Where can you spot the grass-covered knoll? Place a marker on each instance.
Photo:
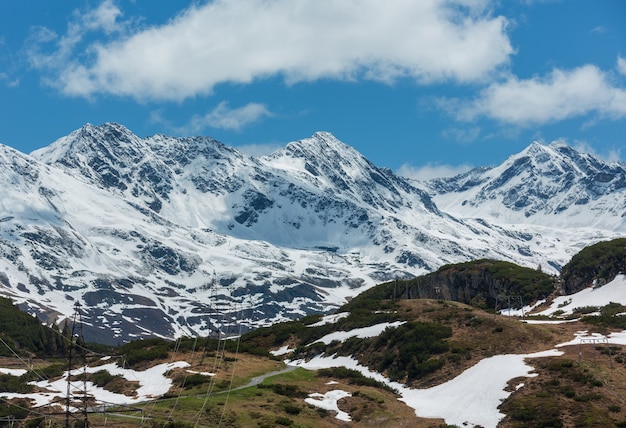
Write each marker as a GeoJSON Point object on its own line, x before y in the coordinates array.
{"type": "Point", "coordinates": [481, 283]}
{"type": "Point", "coordinates": [428, 345]}
{"type": "Point", "coordinates": [530, 284]}
{"type": "Point", "coordinates": [598, 263]}
{"type": "Point", "coordinates": [439, 339]}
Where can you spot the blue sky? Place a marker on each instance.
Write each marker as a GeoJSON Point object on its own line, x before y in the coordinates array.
{"type": "Point", "coordinates": [422, 87]}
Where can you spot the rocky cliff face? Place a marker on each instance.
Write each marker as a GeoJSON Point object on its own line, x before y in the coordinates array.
{"type": "Point", "coordinates": [485, 283]}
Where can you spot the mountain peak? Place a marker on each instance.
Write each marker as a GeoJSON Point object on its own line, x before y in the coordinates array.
{"type": "Point", "coordinates": [536, 149]}
{"type": "Point", "coordinates": [319, 141]}
{"type": "Point", "coordinates": [322, 154]}
{"type": "Point", "coordinates": [542, 180]}
{"type": "Point", "coordinates": [88, 138]}
{"type": "Point", "coordinates": [325, 135]}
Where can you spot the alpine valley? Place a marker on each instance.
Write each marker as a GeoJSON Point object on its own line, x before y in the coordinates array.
{"type": "Point", "coordinates": [165, 236]}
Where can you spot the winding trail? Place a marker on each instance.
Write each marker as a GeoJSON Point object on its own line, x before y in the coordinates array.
{"type": "Point", "coordinates": [258, 379]}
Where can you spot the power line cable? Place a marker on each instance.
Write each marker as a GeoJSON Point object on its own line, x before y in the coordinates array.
{"type": "Point", "coordinates": [232, 377]}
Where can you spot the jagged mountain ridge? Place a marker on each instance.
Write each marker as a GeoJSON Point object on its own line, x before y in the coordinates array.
{"type": "Point", "coordinates": [536, 186]}
{"type": "Point", "coordinates": [165, 235]}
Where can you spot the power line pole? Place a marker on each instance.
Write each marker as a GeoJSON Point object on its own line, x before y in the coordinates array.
{"type": "Point", "coordinates": [74, 342]}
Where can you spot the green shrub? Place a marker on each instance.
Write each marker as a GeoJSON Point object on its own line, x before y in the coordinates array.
{"type": "Point", "coordinates": [37, 422]}
{"type": "Point", "coordinates": [292, 409]}
{"type": "Point", "coordinates": [144, 350]}
{"type": "Point", "coordinates": [283, 421]}
{"type": "Point", "coordinates": [48, 372]}
{"type": "Point", "coordinates": [417, 370]}
{"type": "Point", "coordinates": [19, 409]}
{"type": "Point", "coordinates": [191, 380]}
{"type": "Point", "coordinates": [409, 347]}
{"type": "Point", "coordinates": [584, 310]}
{"type": "Point", "coordinates": [353, 377]}
{"type": "Point", "coordinates": [287, 390]}
{"type": "Point", "coordinates": [101, 378]}
{"type": "Point", "coordinates": [9, 383]}
{"type": "Point", "coordinates": [323, 413]}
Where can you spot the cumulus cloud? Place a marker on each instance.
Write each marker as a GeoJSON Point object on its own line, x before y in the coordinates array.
{"type": "Point", "coordinates": [104, 17]}
{"type": "Point", "coordinates": [10, 82]}
{"type": "Point", "coordinates": [562, 94]}
{"type": "Point", "coordinates": [621, 65]}
{"type": "Point", "coordinates": [430, 171]}
{"type": "Point", "coordinates": [610, 155]}
{"type": "Point", "coordinates": [461, 134]}
{"type": "Point", "coordinates": [224, 117]}
{"type": "Point", "coordinates": [50, 51]}
{"type": "Point", "coordinates": [300, 40]}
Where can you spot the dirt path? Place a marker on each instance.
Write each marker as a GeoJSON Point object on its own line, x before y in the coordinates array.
{"type": "Point", "coordinates": [258, 379]}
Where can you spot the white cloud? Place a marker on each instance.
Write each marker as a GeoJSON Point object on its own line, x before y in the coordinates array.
{"type": "Point", "coordinates": [46, 49]}
{"type": "Point", "coordinates": [562, 94]}
{"type": "Point", "coordinates": [610, 155]}
{"type": "Point", "coordinates": [430, 171]}
{"type": "Point", "coordinates": [105, 18]}
{"type": "Point", "coordinates": [621, 65]}
{"type": "Point", "coordinates": [10, 82]}
{"type": "Point", "coordinates": [301, 40]}
{"type": "Point", "coordinates": [462, 134]}
{"type": "Point", "coordinates": [599, 29]}
{"type": "Point", "coordinates": [223, 117]}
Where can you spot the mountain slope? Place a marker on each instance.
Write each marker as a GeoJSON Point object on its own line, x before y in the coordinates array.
{"type": "Point", "coordinates": [549, 185]}
{"type": "Point", "coordinates": [168, 236]}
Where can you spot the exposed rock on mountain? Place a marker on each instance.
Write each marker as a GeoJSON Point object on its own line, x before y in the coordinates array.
{"type": "Point", "coordinates": [553, 185]}
{"type": "Point", "coordinates": [168, 236]}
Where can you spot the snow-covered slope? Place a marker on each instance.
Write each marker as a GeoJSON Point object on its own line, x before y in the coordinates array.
{"type": "Point", "coordinates": [552, 185]}
{"type": "Point", "coordinates": [170, 236]}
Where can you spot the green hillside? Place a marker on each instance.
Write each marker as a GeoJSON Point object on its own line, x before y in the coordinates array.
{"type": "Point", "coordinates": [24, 334]}
{"type": "Point", "coordinates": [598, 263]}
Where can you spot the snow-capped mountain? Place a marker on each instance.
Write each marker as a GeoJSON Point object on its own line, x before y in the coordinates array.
{"type": "Point", "coordinates": [169, 236]}
{"type": "Point", "coordinates": [552, 185]}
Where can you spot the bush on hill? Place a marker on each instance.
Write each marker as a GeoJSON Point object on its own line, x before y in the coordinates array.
{"type": "Point", "coordinates": [611, 316]}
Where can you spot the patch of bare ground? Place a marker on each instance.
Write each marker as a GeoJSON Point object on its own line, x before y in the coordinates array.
{"type": "Point", "coordinates": [585, 387]}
